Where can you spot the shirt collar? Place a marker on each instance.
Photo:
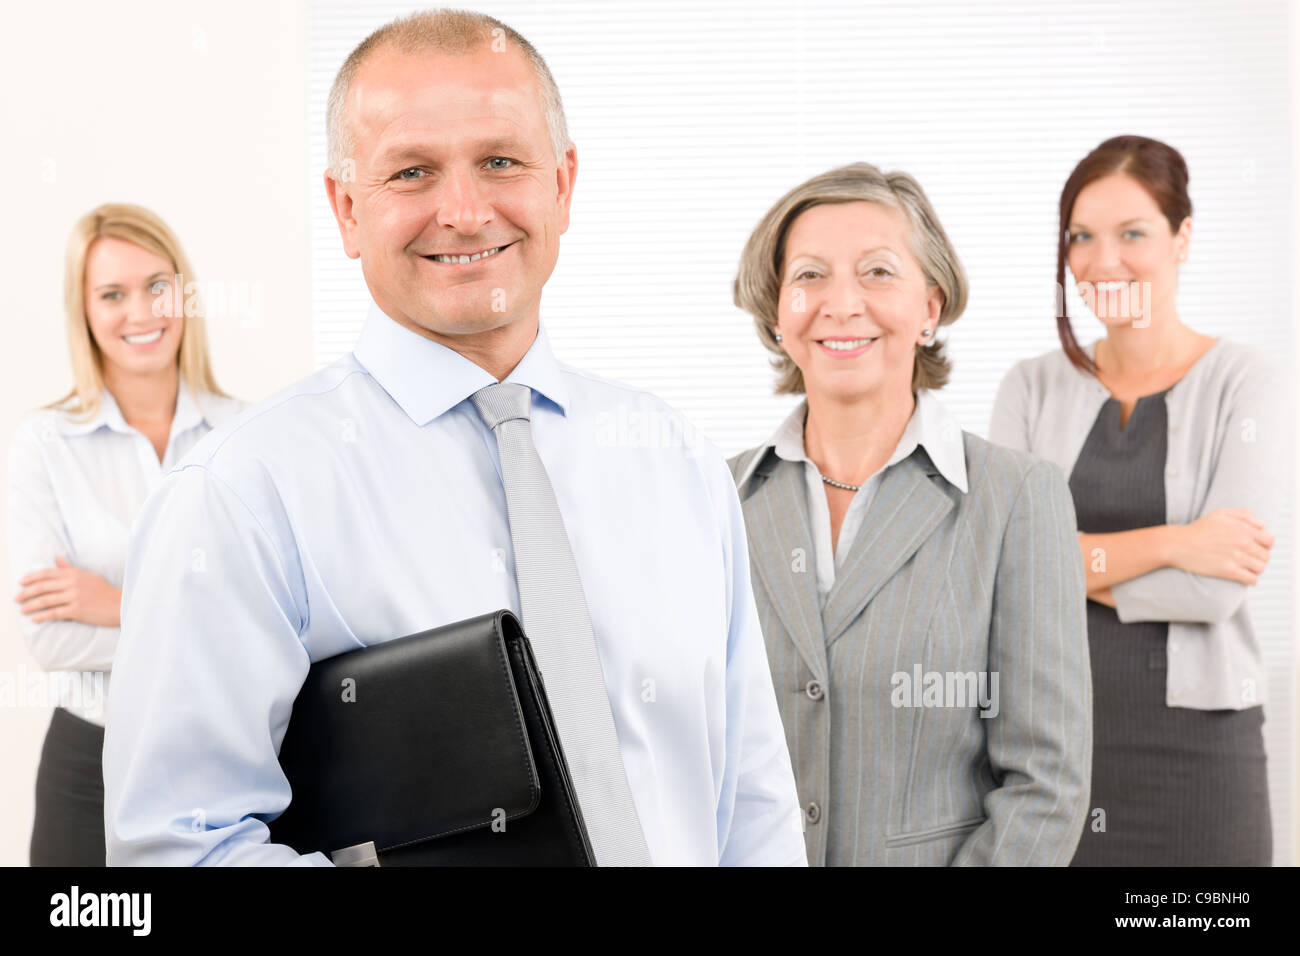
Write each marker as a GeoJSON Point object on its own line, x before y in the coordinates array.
{"type": "Point", "coordinates": [931, 426]}
{"type": "Point", "coordinates": [186, 415]}
{"type": "Point", "coordinates": [427, 378]}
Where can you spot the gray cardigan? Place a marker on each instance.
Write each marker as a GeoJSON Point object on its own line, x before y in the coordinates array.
{"type": "Point", "coordinates": [1229, 446]}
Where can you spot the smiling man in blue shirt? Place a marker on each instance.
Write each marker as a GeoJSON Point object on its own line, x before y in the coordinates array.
{"type": "Point", "coordinates": [366, 502]}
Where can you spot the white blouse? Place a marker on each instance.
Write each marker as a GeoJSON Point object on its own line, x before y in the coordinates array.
{"type": "Point", "coordinates": [932, 426]}
{"type": "Point", "coordinates": [74, 491]}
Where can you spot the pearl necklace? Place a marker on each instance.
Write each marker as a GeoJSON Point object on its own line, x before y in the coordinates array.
{"type": "Point", "coordinates": [840, 484]}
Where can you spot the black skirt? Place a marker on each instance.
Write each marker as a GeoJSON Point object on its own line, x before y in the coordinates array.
{"type": "Point", "coordinates": [69, 825]}
{"type": "Point", "coordinates": [1171, 786]}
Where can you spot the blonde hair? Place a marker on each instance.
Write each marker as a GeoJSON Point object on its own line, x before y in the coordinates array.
{"type": "Point", "coordinates": [757, 288]}
{"type": "Point", "coordinates": [137, 225]}
{"type": "Point", "coordinates": [437, 31]}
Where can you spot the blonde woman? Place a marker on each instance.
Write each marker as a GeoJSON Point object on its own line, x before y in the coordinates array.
{"type": "Point", "coordinates": [920, 590]}
{"type": "Point", "coordinates": [79, 470]}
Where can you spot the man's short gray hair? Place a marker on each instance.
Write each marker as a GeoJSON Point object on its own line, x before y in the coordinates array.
{"type": "Point", "coordinates": [438, 31]}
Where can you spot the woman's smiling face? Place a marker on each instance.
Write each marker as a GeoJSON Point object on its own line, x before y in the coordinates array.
{"type": "Point", "coordinates": [1123, 252]}
{"type": "Point", "coordinates": [130, 304]}
{"type": "Point", "coordinates": [854, 299]}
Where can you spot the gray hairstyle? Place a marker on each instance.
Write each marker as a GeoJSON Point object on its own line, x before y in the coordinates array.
{"type": "Point", "coordinates": [757, 288]}
{"type": "Point", "coordinates": [439, 31]}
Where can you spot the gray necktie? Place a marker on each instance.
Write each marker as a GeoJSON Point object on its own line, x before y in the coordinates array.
{"type": "Point", "coordinates": [555, 618]}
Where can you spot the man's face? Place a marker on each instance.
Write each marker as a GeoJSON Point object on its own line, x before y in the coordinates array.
{"type": "Point", "coordinates": [453, 158]}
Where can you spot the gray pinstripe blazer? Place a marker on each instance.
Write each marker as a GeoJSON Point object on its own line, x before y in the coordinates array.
{"type": "Point", "coordinates": [947, 589]}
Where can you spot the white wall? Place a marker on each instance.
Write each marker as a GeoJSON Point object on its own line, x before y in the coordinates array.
{"type": "Point", "coordinates": [196, 112]}
{"type": "Point", "coordinates": [1293, 269]}
{"type": "Point", "coordinates": [690, 119]}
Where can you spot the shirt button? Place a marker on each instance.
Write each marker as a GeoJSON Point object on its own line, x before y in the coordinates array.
{"type": "Point", "coordinates": [1171, 470]}
{"type": "Point", "coordinates": [814, 690]}
{"type": "Point", "coordinates": [1176, 696]}
{"type": "Point", "coordinates": [813, 812]}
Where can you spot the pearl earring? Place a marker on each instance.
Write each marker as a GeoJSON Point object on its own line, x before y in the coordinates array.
{"type": "Point", "coordinates": [778, 337]}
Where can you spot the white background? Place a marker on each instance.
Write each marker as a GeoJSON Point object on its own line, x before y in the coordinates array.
{"type": "Point", "coordinates": [690, 120]}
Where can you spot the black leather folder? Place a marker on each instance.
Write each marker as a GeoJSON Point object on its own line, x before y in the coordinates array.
{"type": "Point", "coordinates": [434, 749]}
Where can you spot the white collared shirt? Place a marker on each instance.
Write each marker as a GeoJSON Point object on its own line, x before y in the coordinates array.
{"type": "Point", "coordinates": [74, 490]}
{"type": "Point", "coordinates": [932, 426]}
{"type": "Point", "coordinates": [365, 503]}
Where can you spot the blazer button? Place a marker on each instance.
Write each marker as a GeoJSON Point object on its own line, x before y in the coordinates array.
{"type": "Point", "coordinates": [814, 690]}
{"type": "Point", "coordinates": [813, 812]}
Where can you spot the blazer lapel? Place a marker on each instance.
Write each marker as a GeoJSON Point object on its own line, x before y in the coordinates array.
{"type": "Point", "coordinates": [776, 514]}
{"type": "Point", "coordinates": [905, 511]}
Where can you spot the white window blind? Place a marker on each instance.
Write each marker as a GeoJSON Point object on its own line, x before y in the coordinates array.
{"type": "Point", "coordinates": [692, 118]}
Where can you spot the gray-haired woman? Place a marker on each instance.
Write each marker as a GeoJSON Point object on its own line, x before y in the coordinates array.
{"type": "Point", "coordinates": [920, 590]}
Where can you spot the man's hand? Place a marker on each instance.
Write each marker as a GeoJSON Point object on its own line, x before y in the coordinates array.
{"type": "Point", "coordinates": [68, 593]}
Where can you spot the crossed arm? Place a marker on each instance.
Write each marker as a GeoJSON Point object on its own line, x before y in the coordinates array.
{"type": "Point", "coordinates": [1197, 572]}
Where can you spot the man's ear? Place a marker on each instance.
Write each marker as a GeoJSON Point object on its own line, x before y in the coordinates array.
{"type": "Point", "coordinates": [341, 203]}
{"type": "Point", "coordinates": [565, 174]}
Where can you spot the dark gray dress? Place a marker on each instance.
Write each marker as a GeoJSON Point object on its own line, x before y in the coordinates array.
{"type": "Point", "coordinates": [1179, 787]}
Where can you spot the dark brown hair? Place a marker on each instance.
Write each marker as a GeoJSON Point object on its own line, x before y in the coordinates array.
{"type": "Point", "coordinates": [1160, 169]}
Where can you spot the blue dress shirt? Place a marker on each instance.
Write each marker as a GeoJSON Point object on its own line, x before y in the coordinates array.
{"type": "Point", "coordinates": [365, 503]}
